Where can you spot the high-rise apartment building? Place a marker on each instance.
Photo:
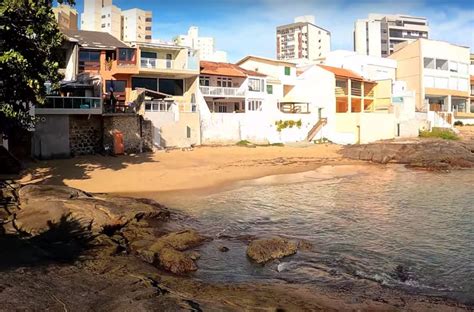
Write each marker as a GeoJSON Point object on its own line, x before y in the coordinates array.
{"type": "Point", "coordinates": [66, 17]}
{"type": "Point", "coordinates": [378, 34]}
{"type": "Point", "coordinates": [204, 45]}
{"type": "Point", "coordinates": [128, 25]}
{"type": "Point", "coordinates": [136, 25]}
{"type": "Point", "coordinates": [302, 40]}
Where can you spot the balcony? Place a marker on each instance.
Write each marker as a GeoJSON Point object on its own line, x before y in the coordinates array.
{"type": "Point", "coordinates": [159, 64]}
{"type": "Point", "coordinates": [222, 91]}
{"type": "Point", "coordinates": [60, 105]}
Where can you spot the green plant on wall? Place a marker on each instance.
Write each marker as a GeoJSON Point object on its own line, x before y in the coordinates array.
{"type": "Point", "coordinates": [283, 124]}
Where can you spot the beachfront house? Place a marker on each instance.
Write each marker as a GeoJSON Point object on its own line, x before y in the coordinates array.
{"type": "Point", "coordinates": [438, 72]}
{"type": "Point", "coordinates": [169, 74]}
{"type": "Point", "coordinates": [93, 101]}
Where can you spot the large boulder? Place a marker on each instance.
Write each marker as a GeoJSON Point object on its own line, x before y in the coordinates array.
{"type": "Point", "coordinates": [175, 261]}
{"type": "Point", "coordinates": [41, 205]}
{"type": "Point", "coordinates": [264, 250]}
{"type": "Point", "coordinates": [182, 240]}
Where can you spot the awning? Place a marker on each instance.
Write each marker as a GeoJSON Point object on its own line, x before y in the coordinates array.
{"type": "Point", "coordinates": [154, 94]}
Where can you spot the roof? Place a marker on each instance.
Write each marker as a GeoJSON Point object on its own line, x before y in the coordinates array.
{"type": "Point", "coordinates": [94, 39]}
{"type": "Point", "coordinates": [226, 69]}
{"type": "Point", "coordinates": [265, 59]}
{"type": "Point", "coordinates": [300, 24]}
{"type": "Point", "coordinates": [342, 72]}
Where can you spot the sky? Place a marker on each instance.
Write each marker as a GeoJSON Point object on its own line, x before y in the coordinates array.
{"type": "Point", "coordinates": [244, 27]}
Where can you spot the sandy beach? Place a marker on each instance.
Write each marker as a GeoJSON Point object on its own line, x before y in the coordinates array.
{"type": "Point", "coordinates": [176, 170]}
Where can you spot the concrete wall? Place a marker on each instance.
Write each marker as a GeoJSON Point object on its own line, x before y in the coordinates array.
{"type": "Point", "coordinates": [364, 128]}
{"type": "Point", "coordinates": [51, 137]}
{"type": "Point", "coordinates": [171, 129]}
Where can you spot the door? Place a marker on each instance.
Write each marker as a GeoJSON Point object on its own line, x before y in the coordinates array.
{"type": "Point", "coordinates": [169, 58]}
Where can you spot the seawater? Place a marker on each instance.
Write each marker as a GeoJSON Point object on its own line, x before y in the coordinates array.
{"type": "Point", "coordinates": [402, 228]}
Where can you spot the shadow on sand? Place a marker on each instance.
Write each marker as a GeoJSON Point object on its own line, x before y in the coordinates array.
{"type": "Point", "coordinates": [78, 168]}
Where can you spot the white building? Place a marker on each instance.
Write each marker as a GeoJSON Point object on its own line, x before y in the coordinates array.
{"type": "Point", "coordinates": [204, 45]}
{"type": "Point", "coordinates": [136, 25]}
{"type": "Point", "coordinates": [127, 25]}
{"type": "Point", "coordinates": [378, 34]}
{"type": "Point", "coordinates": [302, 40]}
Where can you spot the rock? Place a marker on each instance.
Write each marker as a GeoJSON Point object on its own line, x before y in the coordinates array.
{"type": "Point", "coordinates": [223, 249]}
{"type": "Point", "coordinates": [432, 154]}
{"type": "Point", "coordinates": [175, 261]}
{"type": "Point", "coordinates": [264, 250]}
{"type": "Point", "coordinates": [194, 255]}
{"type": "Point", "coordinates": [41, 204]}
{"type": "Point", "coordinates": [179, 240]}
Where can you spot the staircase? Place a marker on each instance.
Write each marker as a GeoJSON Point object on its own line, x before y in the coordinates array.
{"type": "Point", "coordinates": [318, 126]}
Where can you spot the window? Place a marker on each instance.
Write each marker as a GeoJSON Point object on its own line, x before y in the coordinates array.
{"type": "Point", "coordinates": [269, 89]}
{"type": "Point", "coordinates": [441, 64]}
{"type": "Point", "coordinates": [222, 108]}
{"type": "Point", "coordinates": [429, 62]}
{"type": "Point", "coordinates": [287, 71]}
{"type": "Point", "coordinates": [157, 106]}
{"type": "Point", "coordinates": [126, 55]}
{"type": "Point", "coordinates": [89, 57]}
{"type": "Point", "coordinates": [103, 25]}
{"type": "Point", "coordinates": [147, 83]}
{"type": "Point", "coordinates": [148, 37]}
{"type": "Point", "coordinates": [148, 28]}
{"type": "Point", "coordinates": [103, 16]}
{"type": "Point", "coordinates": [256, 84]}
{"type": "Point", "coordinates": [224, 82]}
{"type": "Point", "coordinates": [255, 105]}
{"type": "Point", "coordinates": [145, 54]}
{"type": "Point", "coordinates": [115, 85]}
{"type": "Point", "coordinates": [204, 81]}
{"type": "Point", "coordinates": [171, 86]}
{"type": "Point", "coordinates": [453, 67]}
{"type": "Point", "coordinates": [148, 19]}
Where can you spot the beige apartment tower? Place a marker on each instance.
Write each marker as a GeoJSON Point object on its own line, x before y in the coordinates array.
{"type": "Point", "coordinates": [302, 40]}
{"type": "Point", "coordinates": [66, 17]}
{"type": "Point", "coordinates": [378, 34]}
{"type": "Point", "coordinates": [127, 25]}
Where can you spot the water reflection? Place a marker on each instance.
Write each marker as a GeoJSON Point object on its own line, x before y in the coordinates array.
{"type": "Point", "coordinates": [399, 227]}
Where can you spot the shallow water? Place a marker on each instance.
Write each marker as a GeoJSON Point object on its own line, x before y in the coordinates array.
{"type": "Point", "coordinates": [363, 221]}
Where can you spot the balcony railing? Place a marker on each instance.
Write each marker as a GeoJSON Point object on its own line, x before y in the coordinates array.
{"type": "Point", "coordinates": [222, 91]}
{"type": "Point", "coordinates": [72, 105]}
{"type": "Point", "coordinates": [156, 63]}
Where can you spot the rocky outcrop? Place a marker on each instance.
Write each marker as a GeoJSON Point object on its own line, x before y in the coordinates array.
{"type": "Point", "coordinates": [264, 250]}
{"type": "Point", "coordinates": [167, 252]}
{"type": "Point", "coordinates": [44, 204]}
{"type": "Point", "coordinates": [430, 154]}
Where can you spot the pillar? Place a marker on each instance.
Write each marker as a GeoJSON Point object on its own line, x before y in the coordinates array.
{"type": "Point", "coordinates": [349, 97]}
{"type": "Point", "coordinates": [450, 109]}
{"type": "Point", "coordinates": [362, 102]}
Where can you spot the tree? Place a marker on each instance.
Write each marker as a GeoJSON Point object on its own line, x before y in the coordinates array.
{"type": "Point", "coordinates": [29, 37]}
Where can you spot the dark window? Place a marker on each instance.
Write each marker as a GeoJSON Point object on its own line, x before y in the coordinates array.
{"type": "Point", "coordinates": [147, 83]}
{"type": "Point", "coordinates": [269, 89]}
{"type": "Point", "coordinates": [148, 37]}
{"type": "Point", "coordinates": [127, 55]}
{"type": "Point", "coordinates": [148, 54]}
{"type": "Point", "coordinates": [148, 19]}
{"type": "Point", "coordinates": [89, 56]}
{"type": "Point", "coordinates": [116, 85]}
{"type": "Point", "coordinates": [287, 71]}
{"type": "Point", "coordinates": [148, 28]}
{"type": "Point", "coordinates": [171, 86]}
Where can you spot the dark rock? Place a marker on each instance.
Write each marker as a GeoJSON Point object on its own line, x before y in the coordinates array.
{"type": "Point", "coordinates": [263, 250]}
{"type": "Point", "coordinates": [175, 261]}
{"type": "Point", "coordinates": [223, 249]}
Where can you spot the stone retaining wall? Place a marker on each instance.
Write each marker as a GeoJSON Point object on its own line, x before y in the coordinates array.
{"type": "Point", "coordinates": [129, 125]}
{"type": "Point", "coordinates": [85, 134]}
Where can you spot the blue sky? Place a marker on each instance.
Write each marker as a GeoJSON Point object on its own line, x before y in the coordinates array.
{"type": "Point", "coordinates": [243, 27]}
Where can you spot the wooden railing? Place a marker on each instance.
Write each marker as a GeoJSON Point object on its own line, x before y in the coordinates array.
{"type": "Point", "coordinates": [316, 128]}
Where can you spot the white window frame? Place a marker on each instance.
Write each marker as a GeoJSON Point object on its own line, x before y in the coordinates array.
{"type": "Point", "coordinates": [254, 105]}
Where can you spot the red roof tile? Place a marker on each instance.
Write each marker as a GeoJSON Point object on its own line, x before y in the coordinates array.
{"type": "Point", "coordinates": [342, 72]}
{"type": "Point", "coordinates": [226, 69]}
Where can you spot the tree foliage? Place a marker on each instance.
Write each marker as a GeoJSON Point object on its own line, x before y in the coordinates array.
{"type": "Point", "coordinates": [29, 37]}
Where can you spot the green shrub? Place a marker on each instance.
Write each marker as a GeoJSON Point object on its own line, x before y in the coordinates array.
{"type": "Point", "coordinates": [280, 124]}
{"type": "Point", "coordinates": [243, 143]}
{"type": "Point", "coordinates": [458, 123]}
{"type": "Point", "coordinates": [442, 133]}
